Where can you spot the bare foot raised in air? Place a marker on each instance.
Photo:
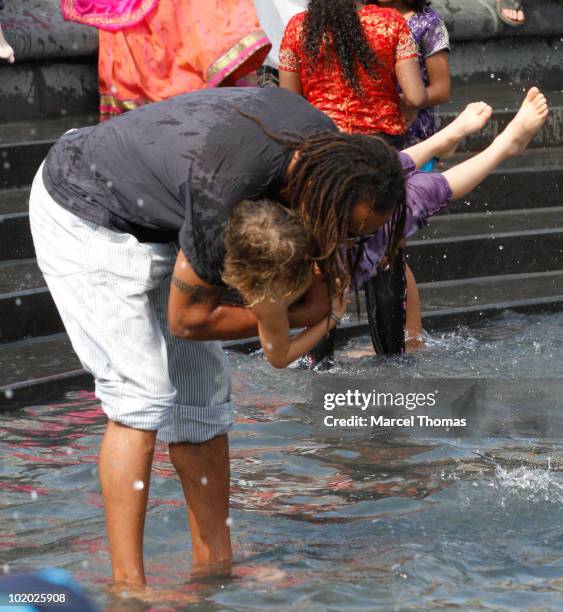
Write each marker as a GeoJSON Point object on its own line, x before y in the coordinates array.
{"type": "Point", "coordinates": [474, 118]}
{"type": "Point", "coordinates": [6, 51]}
{"type": "Point", "coordinates": [526, 124]}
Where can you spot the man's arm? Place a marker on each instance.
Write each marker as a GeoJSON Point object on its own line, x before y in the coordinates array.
{"type": "Point", "coordinates": [195, 311]}
{"type": "Point", "coordinates": [291, 81]}
{"type": "Point", "coordinates": [314, 307]}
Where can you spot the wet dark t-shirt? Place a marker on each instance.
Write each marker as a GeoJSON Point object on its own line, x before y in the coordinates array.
{"type": "Point", "coordinates": [174, 170]}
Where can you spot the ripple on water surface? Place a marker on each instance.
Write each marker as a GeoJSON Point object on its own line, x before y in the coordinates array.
{"type": "Point", "coordinates": [319, 521]}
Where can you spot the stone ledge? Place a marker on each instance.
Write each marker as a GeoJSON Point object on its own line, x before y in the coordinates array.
{"type": "Point", "coordinates": [469, 20]}
{"type": "Point", "coordinates": [37, 30]}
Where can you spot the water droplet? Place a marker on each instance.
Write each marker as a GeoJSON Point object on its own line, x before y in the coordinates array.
{"type": "Point", "coordinates": [63, 111]}
{"type": "Point", "coordinates": [69, 451]}
{"type": "Point", "coordinates": [6, 568]}
{"type": "Point", "coordinates": [229, 522]}
{"type": "Point", "coordinates": [444, 256]}
{"type": "Point", "coordinates": [8, 393]}
{"type": "Point", "coordinates": [500, 247]}
{"type": "Point", "coordinates": [7, 165]}
{"type": "Point", "coordinates": [113, 89]}
{"type": "Point", "coordinates": [140, 202]}
{"type": "Point", "coordinates": [269, 346]}
{"type": "Point", "coordinates": [492, 75]}
{"type": "Point", "coordinates": [33, 495]}
{"type": "Point", "coordinates": [18, 301]}
{"type": "Point", "coordinates": [138, 485]}
{"type": "Point", "coordinates": [15, 515]}
{"type": "Point", "coordinates": [109, 184]}
{"type": "Point", "coordinates": [204, 480]}
{"type": "Point", "coordinates": [93, 167]}
{"type": "Point", "coordinates": [84, 564]}
{"type": "Point", "coordinates": [165, 518]}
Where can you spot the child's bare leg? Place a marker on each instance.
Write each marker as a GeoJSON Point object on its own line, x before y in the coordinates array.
{"type": "Point", "coordinates": [6, 51]}
{"type": "Point", "coordinates": [444, 143]}
{"type": "Point", "coordinates": [125, 468]}
{"type": "Point", "coordinates": [205, 474]}
{"type": "Point", "coordinates": [517, 135]}
{"type": "Point", "coordinates": [413, 325]}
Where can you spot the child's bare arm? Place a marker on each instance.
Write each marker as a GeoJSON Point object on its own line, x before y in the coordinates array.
{"type": "Point", "coordinates": [291, 81]}
{"type": "Point", "coordinates": [273, 328]}
{"type": "Point", "coordinates": [438, 68]}
{"type": "Point", "coordinates": [410, 81]}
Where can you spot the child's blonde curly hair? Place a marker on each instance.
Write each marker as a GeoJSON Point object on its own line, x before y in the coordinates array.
{"type": "Point", "coordinates": [268, 252]}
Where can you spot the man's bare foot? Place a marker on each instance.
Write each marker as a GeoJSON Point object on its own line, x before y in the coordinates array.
{"type": "Point", "coordinates": [153, 595]}
{"type": "Point", "coordinates": [526, 124]}
{"type": "Point", "coordinates": [474, 118]}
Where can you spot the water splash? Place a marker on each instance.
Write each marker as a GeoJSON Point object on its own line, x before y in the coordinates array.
{"type": "Point", "coordinates": [531, 484]}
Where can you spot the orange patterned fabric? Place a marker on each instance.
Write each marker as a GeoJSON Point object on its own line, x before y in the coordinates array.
{"type": "Point", "coordinates": [182, 46]}
{"type": "Point", "coordinates": [377, 109]}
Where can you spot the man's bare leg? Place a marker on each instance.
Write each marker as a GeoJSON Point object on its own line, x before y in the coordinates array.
{"type": "Point", "coordinates": [125, 467]}
{"type": "Point", "coordinates": [517, 135]}
{"type": "Point", "coordinates": [205, 474]}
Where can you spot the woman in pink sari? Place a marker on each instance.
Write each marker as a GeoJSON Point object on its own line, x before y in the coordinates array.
{"type": "Point", "coordinates": [151, 50]}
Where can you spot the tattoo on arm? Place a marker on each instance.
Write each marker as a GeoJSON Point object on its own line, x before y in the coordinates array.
{"type": "Point", "coordinates": [197, 293]}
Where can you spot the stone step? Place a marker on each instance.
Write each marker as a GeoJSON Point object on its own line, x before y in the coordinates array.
{"type": "Point", "coordinates": [24, 145]}
{"type": "Point", "coordinates": [38, 90]}
{"type": "Point", "coordinates": [484, 244]}
{"type": "Point", "coordinates": [533, 179]}
{"type": "Point", "coordinates": [56, 59]}
{"type": "Point", "coordinates": [15, 235]}
{"type": "Point", "coordinates": [26, 307]}
{"type": "Point", "coordinates": [33, 371]}
{"type": "Point", "coordinates": [451, 247]}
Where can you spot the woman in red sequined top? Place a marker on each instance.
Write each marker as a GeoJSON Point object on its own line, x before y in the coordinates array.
{"type": "Point", "coordinates": [346, 58]}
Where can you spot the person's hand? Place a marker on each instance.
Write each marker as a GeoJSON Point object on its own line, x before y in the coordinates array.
{"type": "Point", "coordinates": [339, 304]}
{"type": "Point", "coordinates": [410, 114]}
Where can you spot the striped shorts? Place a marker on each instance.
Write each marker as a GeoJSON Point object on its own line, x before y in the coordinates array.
{"type": "Point", "coordinates": [112, 293]}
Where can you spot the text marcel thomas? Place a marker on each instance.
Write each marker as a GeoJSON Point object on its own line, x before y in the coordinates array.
{"type": "Point", "coordinates": [364, 401]}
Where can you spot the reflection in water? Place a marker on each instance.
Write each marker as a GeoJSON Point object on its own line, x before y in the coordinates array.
{"type": "Point", "coordinates": [320, 519]}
